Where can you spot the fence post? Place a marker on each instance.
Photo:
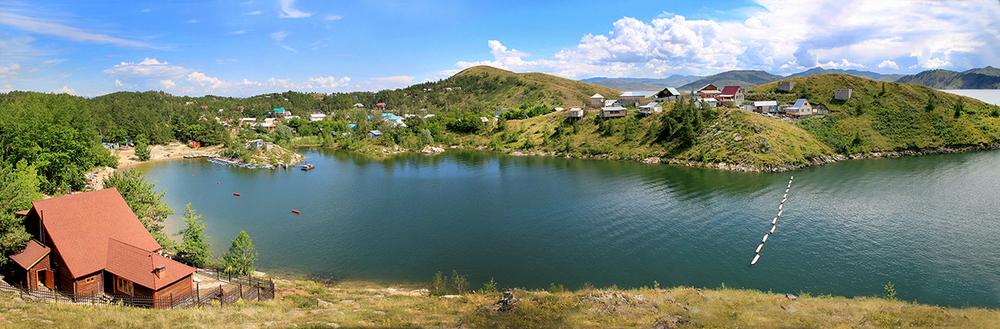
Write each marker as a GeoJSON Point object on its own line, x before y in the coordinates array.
{"type": "Point", "coordinates": [171, 300]}
{"type": "Point", "coordinates": [240, 286]}
{"type": "Point", "coordinates": [197, 291]}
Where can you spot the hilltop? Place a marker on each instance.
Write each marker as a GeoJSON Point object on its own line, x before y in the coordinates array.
{"type": "Point", "coordinates": [488, 88]}
{"type": "Point", "coordinates": [982, 78]}
{"type": "Point", "coordinates": [733, 78]}
{"type": "Point", "coordinates": [890, 116]}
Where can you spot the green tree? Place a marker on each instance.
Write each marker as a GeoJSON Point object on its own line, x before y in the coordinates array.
{"type": "Point", "coordinates": [282, 134]}
{"type": "Point", "coordinates": [241, 256]}
{"type": "Point", "coordinates": [18, 187]}
{"type": "Point", "coordinates": [142, 198]}
{"type": "Point", "coordinates": [194, 243]}
{"type": "Point", "coordinates": [959, 108]}
{"type": "Point", "coordinates": [142, 151]}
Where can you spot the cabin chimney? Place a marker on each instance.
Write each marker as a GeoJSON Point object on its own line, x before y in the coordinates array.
{"type": "Point", "coordinates": [160, 271]}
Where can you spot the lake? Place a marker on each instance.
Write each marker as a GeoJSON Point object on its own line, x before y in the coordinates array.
{"type": "Point", "coordinates": [928, 224]}
{"type": "Point", "coordinates": [991, 96]}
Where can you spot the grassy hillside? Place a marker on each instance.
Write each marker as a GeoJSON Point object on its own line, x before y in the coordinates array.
{"type": "Point", "coordinates": [307, 304]}
{"type": "Point", "coordinates": [671, 81]}
{"type": "Point", "coordinates": [984, 78]}
{"type": "Point", "coordinates": [889, 116]}
{"type": "Point", "coordinates": [733, 78]}
{"type": "Point", "coordinates": [490, 88]}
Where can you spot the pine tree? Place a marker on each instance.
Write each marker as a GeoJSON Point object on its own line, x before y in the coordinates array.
{"type": "Point", "coordinates": [241, 256]}
{"type": "Point", "coordinates": [194, 244]}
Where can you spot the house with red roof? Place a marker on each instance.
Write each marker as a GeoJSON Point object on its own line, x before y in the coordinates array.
{"type": "Point", "coordinates": [92, 243]}
{"type": "Point", "coordinates": [732, 95]}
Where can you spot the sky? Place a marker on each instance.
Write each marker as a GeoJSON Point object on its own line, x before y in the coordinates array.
{"type": "Point", "coordinates": [245, 48]}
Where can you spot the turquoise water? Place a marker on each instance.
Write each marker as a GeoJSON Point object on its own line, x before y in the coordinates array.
{"type": "Point", "coordinates": [927, 224]}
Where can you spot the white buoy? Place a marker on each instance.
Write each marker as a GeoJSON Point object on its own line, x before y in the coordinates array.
{"type": "Point", "coordinates": [774, 221]}
{"type": "Point", "coordinates": [783, 200]}
{"type": "Point", "coordinates": [793, 177]}
{"type": "Point", "coordinates": [772, 229]}
{"type": "Point", "coordinates": [781, 205]}
{"type": "Point", "coordinates": [758, 248]}
{"type": "Point", "coordinates": [786, 191]}
{"type": "Point", "coordinates": [779, 212]}
{"type": "Point", "coordinates": [754, 261]}
{"type": "Point", "coordinates": [764, 240]}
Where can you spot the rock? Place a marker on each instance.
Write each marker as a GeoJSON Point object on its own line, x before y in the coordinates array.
{"type": "Point", "coordinates": [323, 303]}
{"type": "Point", "coordinates": [790, 296]}
{"type": "Point", "coordinates": [506, 303]}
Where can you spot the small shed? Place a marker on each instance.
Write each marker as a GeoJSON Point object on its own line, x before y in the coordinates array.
{"type": "Point", "coordinates": [765, 106]}
{"type": "Point", "coordinates": [650, 108]}
{"type": "Point", "coordinates": [630, 98]}
{"type": "Point", "coordinates": [786, 86]}
{"type": "Point", "coordinates": [668, 93]}
{"type": "Point", "coordinates": [842, 94]}
{"type": "Point", "coordinates": [596, 101]}
{"type": "Point", "coordinates": [374, 134]}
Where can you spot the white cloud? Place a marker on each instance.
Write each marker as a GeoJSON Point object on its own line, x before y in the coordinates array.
{"type": "Point", "coordinates": [43, 26]}
{"type": "Point", "coordinates": [7, 71]}
{"type": "Point", "coordinates": [256, 12]}
{"type": "Point", "coordinates": [192, 21]}
{"type": "Point", "coordinates": [278, 36]}
{"type": "Point", "coordinates": [118, 83]}
{"type": "Point", "coordinates": [237, 32]}
{"type": "Point", "coordinates": [289, 48]}
{"type": "Point", "coordinates": [149, 68]}
{"type": "Point", "coordinates": [205, 81]}
{"type": "Point", "coordinates": [781, 37]}
{"type": "Point", "coordinates": [887, 64]}
{"type": "Point", "coordinates": [288, 12]}
{"type": "Point", "coordinates": [64, 90]}
{"type": "Point", "coordinates": [168, 84]}
{"type": "Point", "coordinates": [844, 64]}
{"type": "Point", "coordinates": [330, 82]}
{"type": "Point", "coordinates": [145, 10]}
{"type": "Point", "coordinates": [333, 17]}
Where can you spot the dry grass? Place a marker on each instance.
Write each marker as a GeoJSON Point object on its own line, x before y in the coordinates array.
{"type": "Point", "coordinates": [363, 304]}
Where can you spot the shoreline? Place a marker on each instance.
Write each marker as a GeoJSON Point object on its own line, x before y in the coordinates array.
{"type": "Point", "coordinates": [172, 151]}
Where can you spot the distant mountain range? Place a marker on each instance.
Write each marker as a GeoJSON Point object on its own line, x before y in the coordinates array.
{"type": "Point", "coordinates": [982, 78]}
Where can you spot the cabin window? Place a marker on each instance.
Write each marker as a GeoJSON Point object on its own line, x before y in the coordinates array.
{"type": "Point", "coordinates": [90, 279]}
{"type": "Point", "coordinates": [123, 286]}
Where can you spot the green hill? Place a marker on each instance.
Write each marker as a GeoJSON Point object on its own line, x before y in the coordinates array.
{"type": "Point", "coordinates": [983, 78]}
{"type": "Point", "coordinates": [619, 84]}
{"type": "Point", "coordinates": [733, 78]}
{"type": "Point", "coordinates": [489, 88]}
{"type": "Point", "coordinates": [890, 116]}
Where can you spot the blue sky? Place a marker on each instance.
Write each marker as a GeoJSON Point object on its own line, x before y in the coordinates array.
{"type": "Point", "coordinates": [244, 48]}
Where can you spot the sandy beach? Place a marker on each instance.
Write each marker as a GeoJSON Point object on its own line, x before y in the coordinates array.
{"type": "Point", "coordinates": [126, 159]}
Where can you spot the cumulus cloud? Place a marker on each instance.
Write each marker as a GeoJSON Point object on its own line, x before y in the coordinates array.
{"type": "Point", "coordinates": [887, 64]}
{"type": "Point", "coordinates": [330, 82]}
{"type": "Point", "coordinates": [63, 90]}
{"type": "Point", "coordinates": [205, 81]}
{"type": "Point", "coordinates": [168, 84]}
{"type": "Point", "coordinates": [288, 12]}
{"type": "Point", "coordinates": [781, 37]}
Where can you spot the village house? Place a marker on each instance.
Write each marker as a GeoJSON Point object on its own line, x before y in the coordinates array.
{"type": "Point", "coordinates": [667, 94]}
{"type": "Point", "coordinates": [92, 243]}
{"type": "Point", "coordinates": [765, 106]}
{"type": "Point", "coordinates": [708, 91]}
{"type": "Point", "coordinates": [317, 117]}
{"type": "Point", "coordinates": [611, 103]}
{"type": "Point", "coordinates": [596, 101]}
{"type": "Point", "coordinates": [613, 112]}
{"type": "Point", "coordinates": [374, 134]}
{"type": "Point", "coordinates": [631, 98]}
{"type": "Point", "coordinates": [650, 108]}
{"type": "Point", "coordinates": [802, 109]}
{"type": "Point", "coordinates": [786, 86]}
{"type": "Point", "coordinates": [575, 113]}
{"type": "Point", "coordinates": [733, 95]}
{"type": "Point", "coordinates": [706, 102]}
{"type": "Point", "coordinates": [279, 112]}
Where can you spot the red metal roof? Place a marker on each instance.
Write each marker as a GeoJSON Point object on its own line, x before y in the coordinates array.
{"type": "Point", "coordinates": [33, 252]}
{"type": "Point", "coordinates": [137, 265]}
{"type": "Point", "coordinates": [79, 226]}
{"type": "Point", "coordinates": [730, 91]}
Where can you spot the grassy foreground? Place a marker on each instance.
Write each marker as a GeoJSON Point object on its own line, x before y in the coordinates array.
{"type": "Point", "coordinates": [306, 304]}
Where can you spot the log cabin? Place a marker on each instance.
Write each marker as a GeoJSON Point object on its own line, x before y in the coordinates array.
{"type": "Point", "coordinates": [91, 243]}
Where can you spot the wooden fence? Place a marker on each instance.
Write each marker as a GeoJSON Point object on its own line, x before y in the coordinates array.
{"type": "Point", "coordinates": [245, 288]}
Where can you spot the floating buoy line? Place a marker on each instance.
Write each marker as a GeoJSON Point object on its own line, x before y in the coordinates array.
{"type": "Point", "coordinates": [774, 223]}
